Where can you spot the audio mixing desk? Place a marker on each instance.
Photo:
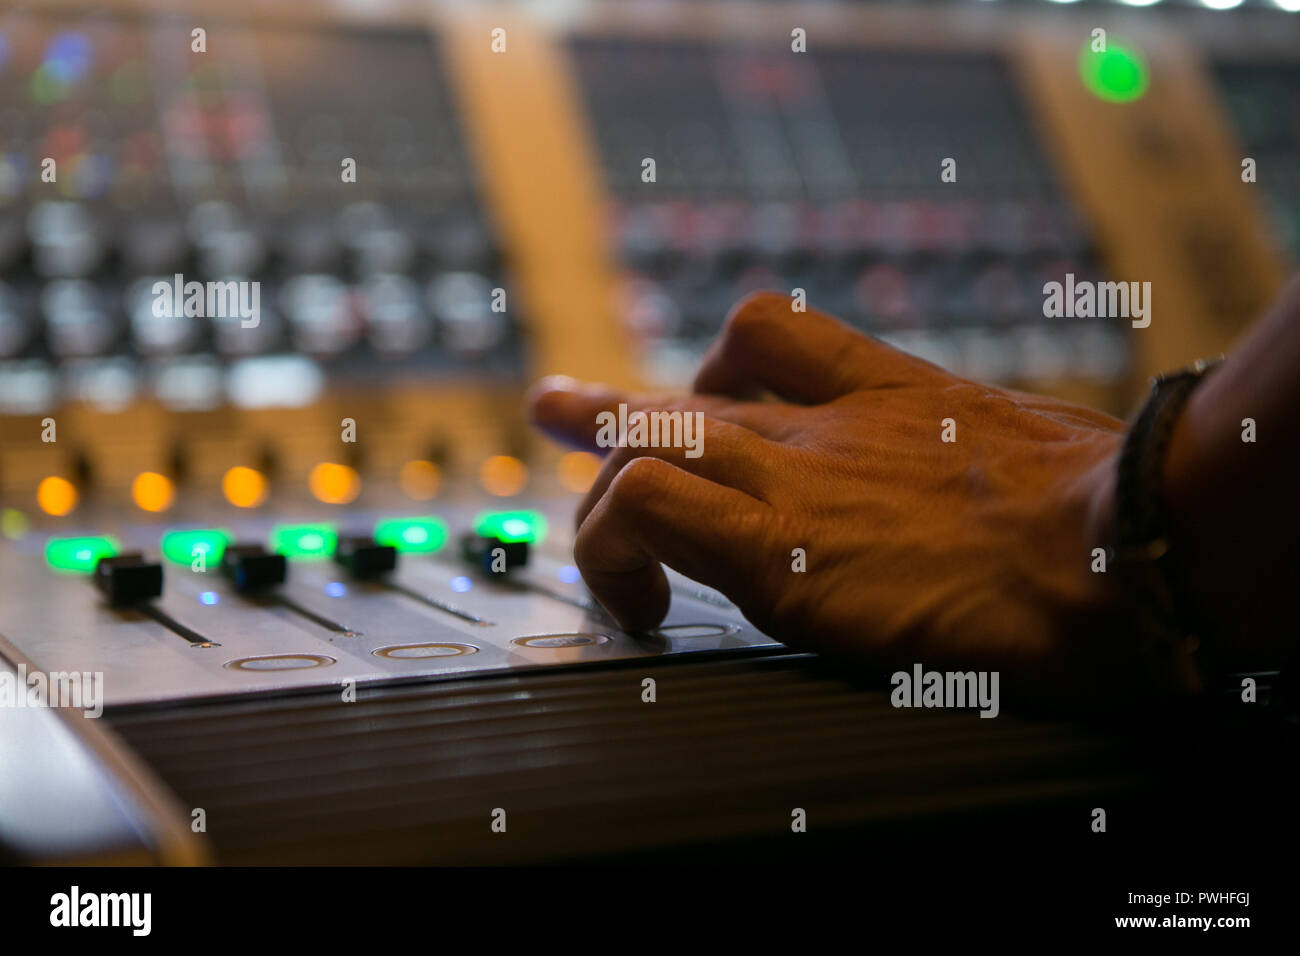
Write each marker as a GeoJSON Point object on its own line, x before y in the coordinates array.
{"type": "Point", "coordinates": [318, 622]}
{"type": "Point", "coordinates": [377, 686]}
{"type": "Point", "coordinates": [382, 679]}
{"type": "Point", "coordinates": [148, 618]}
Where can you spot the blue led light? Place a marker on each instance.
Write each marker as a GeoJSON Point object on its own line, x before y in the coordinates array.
{"type": "Point", "coordinates": [461, 585]}
{"type": "Point", "coordinates": [209, 598]}
{"type": "Point", "coordinates": [569, 574]}
{"type": "Point", "coordinates": [68, 57]}
{"type": "Point", "coordinates": [335, 589]}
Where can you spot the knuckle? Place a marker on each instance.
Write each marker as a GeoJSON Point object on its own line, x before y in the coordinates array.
{"type": "Point", "coordinates": [637, 481]}
{"type": "Point", "coordinates": [683, 404]}
{"type": "Point", "coordinates": [753, 315]}
{"type": "Point", "coordinates": [757, 527]}
{"type": "Point", "coordinates": [760, 303]}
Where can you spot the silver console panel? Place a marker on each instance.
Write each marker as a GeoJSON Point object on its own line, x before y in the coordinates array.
{"type": "Point", "coordinates": [435, 616]}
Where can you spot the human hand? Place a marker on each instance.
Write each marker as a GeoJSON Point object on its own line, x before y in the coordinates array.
{"type": "Point", "coordinates": [970, 553]}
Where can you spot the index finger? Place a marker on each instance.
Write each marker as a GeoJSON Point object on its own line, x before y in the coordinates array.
{"type": "Point", "coordinates": [655, 512]}
{"type": "Point", "coordinates": [568, 410]}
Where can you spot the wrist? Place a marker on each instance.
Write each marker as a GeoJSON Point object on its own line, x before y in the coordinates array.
{"type": "Point", "coordinates": [1093, 621]}
{"type": "Point", "coordinates": [1151, 556]}
{"type": "Point", "coordinates": [1108, 606]}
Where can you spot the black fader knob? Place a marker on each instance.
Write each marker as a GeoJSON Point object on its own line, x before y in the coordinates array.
{"type": "Point", "coordinates": [128, 579]}
{"type": "Point", "coordinates": [364, 557]}
{"type": "Point", "coordinates": [252, 568]}
{"type": "Point", "coordinates": [492, 554]}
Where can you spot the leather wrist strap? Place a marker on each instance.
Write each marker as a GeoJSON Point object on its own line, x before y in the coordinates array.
{"type": "Point", "coordinates": [1142, 546]}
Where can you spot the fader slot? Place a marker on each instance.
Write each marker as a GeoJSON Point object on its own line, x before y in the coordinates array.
{"type": "Point", "coordinates": [176, 627]}
{"type": "Point", "coordinates": [519, 609]}
{"type": "Point", "coordinates": [294, 607]}
{"type": "Point", "coordinates": [433, 602]}
{"type": "Point", "coordinates": [378, 606]}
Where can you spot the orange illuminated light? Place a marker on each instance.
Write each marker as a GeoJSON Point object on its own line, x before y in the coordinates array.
{"type": "Point", "coordinates": [152, 491]}
{"type": "Point", "coordinates": [244, 487]}
{"type": "Point", "coordinates": [577, 470]}
{"type": "Point", "coordinates": [334, 484]}
{"type": "Point", "coordinates": [56, 496]}
{"type": "Point", "coordinates": [502, 475]}
{"type": "Point", "coordinates": [420, 479]}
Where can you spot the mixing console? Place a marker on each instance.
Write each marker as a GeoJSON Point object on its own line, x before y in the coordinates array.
{"type": "Point", "coordinates": [351, 204]}
{"type": "Point", "coordinates": [823, 172]}
{"type": "Point", "coordinates": [1263, 101]}
{"type": "Point", "coordinates": [189, 611]}
{"type": "Point", "coordinates": [315, 562]}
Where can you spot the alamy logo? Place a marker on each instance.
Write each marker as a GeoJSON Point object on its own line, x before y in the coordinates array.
{"type": "Point", "coordinates": [1100, 300]}
{"type": "Point", "coordinates": [951, 689]}
{"type": "Point", "coordinates": [651, 430]}
{"type": "Point", "coordinates": [232, 299]}
{"type": "Point", "coordinates": [103, 909]}
{"type": "Point", "coordinates": [78, 690]}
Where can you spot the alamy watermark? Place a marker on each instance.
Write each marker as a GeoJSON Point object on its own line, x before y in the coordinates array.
{"type": "Point", "coordinates": [1098, 300]}
{"type": "Point", "coordinates": [658, 429]}
{"type": "Point", "coordinates": [951, 689]}
{"type": "Point", "coordinates": [231, 299]}
{"type": "Point", "coordinates": [76, 690]}
{"type": "Point", "coordinates": [74, 908]}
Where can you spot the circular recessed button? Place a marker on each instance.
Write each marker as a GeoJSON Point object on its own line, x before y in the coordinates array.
{"type": "Point", "coordinates": [551, 641]}
{"type": "Point", "coordinates": [280, 662]}
{"type": "Point", "coordinates": [420, 651]}
{"type": "Point", "coordinates": [697, 630]}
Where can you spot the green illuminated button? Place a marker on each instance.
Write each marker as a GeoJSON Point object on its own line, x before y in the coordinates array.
{"type": "Point", "coordinates": [183, 547]}
{"type": "Point", "coordinates": [1118, 75]}
{"type": "Point", "coordinates": [304, 540]}
{"type": "Point", "coordinates": [512, 526]}
{"type": "Point", "coordinates": [412, 535]}
{"type": "Point", "coordinates": [78, 554]}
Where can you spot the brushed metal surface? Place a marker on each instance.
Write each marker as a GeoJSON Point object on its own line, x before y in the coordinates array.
{"type": "Point", "coordinates": [314, 634]}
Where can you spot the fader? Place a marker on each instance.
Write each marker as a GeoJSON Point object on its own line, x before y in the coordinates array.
{"type": "Point", "coordinates": [279, 604]}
